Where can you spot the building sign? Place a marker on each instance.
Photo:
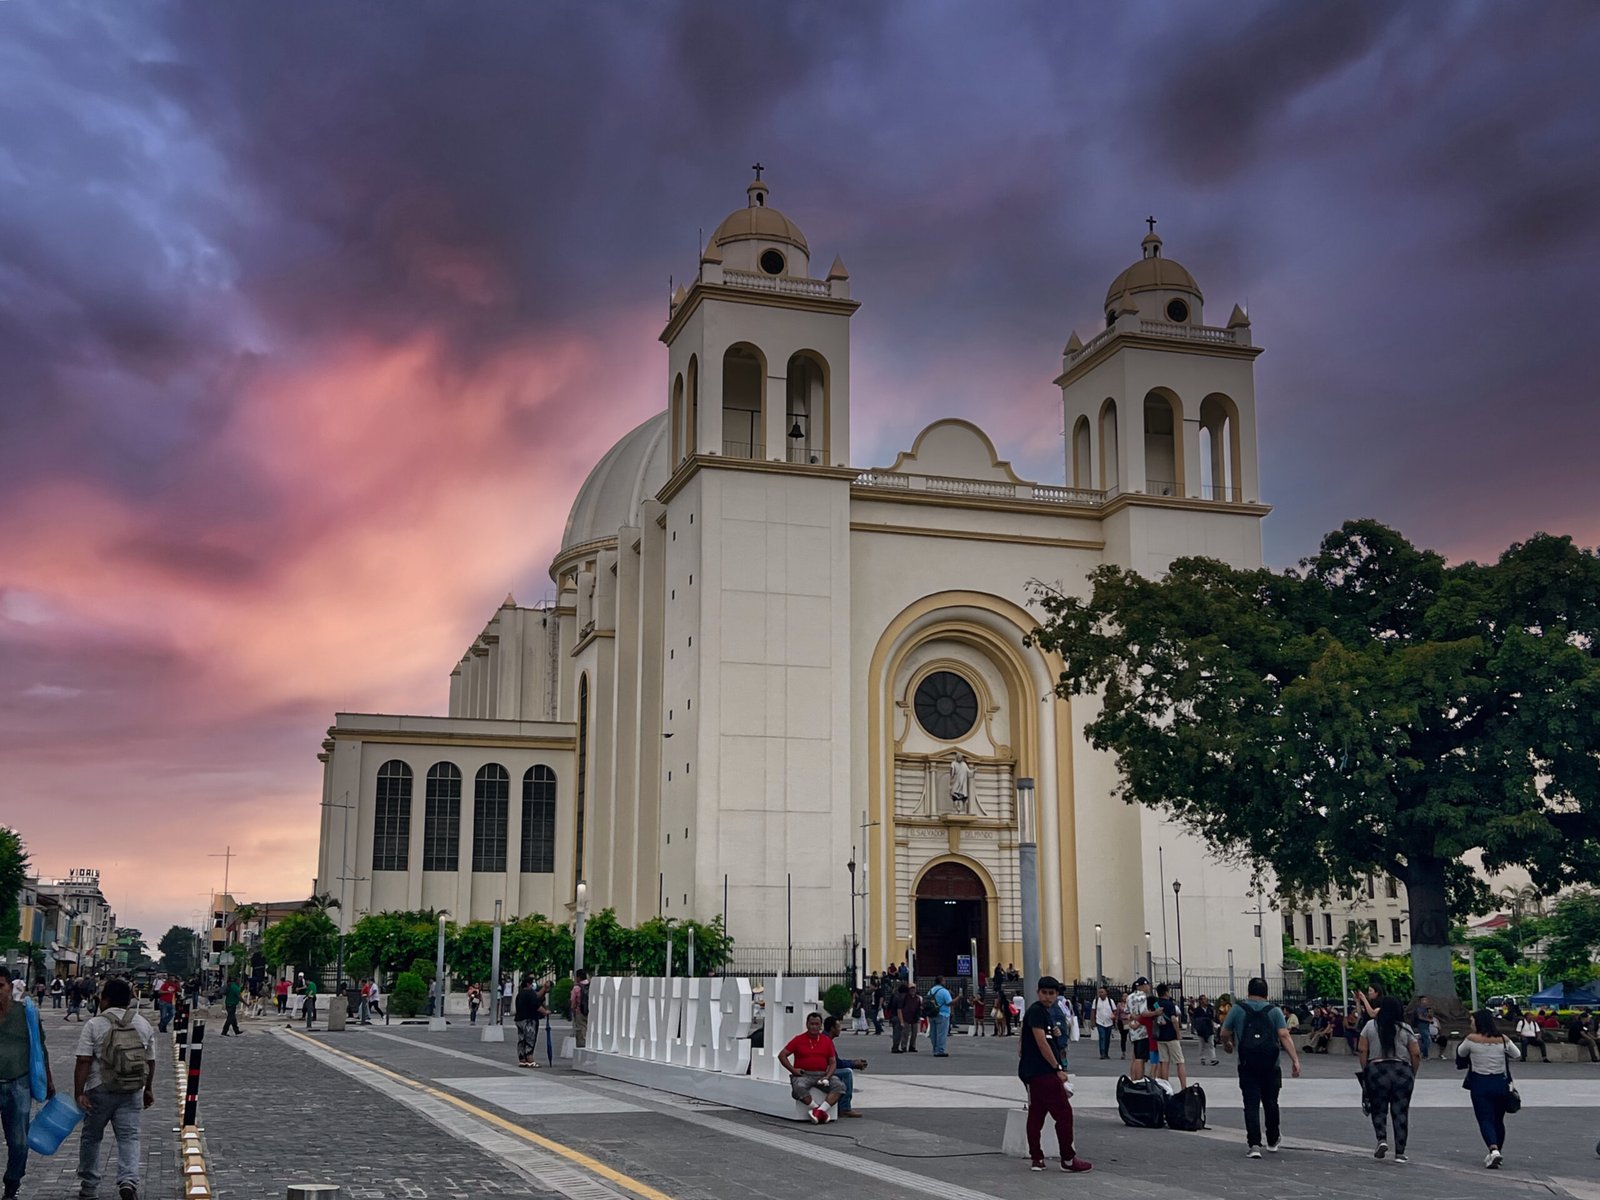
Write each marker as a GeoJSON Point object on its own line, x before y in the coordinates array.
{"type": "Point", "coordinates": [964, 965]}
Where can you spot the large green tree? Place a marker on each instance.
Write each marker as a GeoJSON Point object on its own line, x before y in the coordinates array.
{"type": "Point", "coordinates": [177, 951]}
{"type": "Point", "coordinates": [13, 873]}
{"type": "Point", "coordinates": [308, 940]}
{"type": "Point", "coordinates": [1574, 932]}
{"type": "Point", "coordinates": [1375, 708]}
{"type": "Point", "coordinates": [391, 941]}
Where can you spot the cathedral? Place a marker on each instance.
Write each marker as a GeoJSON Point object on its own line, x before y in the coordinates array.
{"type": "Point", "coordinates": [787, 688]}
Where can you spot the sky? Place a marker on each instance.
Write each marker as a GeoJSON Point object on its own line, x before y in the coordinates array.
{"type": "Point", "coordinates": [314, 317]}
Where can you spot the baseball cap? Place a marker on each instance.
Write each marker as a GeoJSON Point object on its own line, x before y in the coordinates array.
{"type": "Point", "coordinates": [1141, 981]}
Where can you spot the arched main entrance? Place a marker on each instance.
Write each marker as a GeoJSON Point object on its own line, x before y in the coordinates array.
{"type": "Point", "coordinates": [950, 913]}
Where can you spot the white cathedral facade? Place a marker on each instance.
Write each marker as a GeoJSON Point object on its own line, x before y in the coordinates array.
{"type": "Point", "coordinates": [764, 657]}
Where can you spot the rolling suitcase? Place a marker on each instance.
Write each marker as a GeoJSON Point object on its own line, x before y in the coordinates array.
{"type": "Point", "coordinates": [1142, 1104]}
{"type": "Point", "coordinates": [1186, 1110]}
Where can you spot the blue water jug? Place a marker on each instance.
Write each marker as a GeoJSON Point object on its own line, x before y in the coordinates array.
{"type": "Point", "coordinates": [54, 1121]}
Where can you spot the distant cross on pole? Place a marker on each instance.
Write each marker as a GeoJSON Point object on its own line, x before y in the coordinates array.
{"type": "Point", "coordinates": [227, 862]}
{"type": "Point", "coordinates": [758, 168]}
{"type": "Point", "coordinates": [1151, 221]}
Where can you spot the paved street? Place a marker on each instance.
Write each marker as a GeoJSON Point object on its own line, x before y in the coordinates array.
{"type": "Point", "coordinates": [400, 1112]}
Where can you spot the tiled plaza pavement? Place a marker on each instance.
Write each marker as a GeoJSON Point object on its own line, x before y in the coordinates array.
{"type": "Point", "coordinates": [278, 1109]}
{"type": "Point", "coordinates": [274, 1116]}
{"type": "Point", "coordinates": [56, 1177]}
{"type": "Point", "coordinates": [942, 1144]}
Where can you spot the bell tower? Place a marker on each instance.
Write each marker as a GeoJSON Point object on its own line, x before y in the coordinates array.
{"type": "Point", "coordinates": [1159, 403]}
{"type": "Point", "coordinates": [758, 349]}
{"type": "Point", "coordinates": [756, 649]}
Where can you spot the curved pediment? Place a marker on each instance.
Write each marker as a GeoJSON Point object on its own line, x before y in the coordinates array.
{"type": "Point", "coordinates": [955, 449]}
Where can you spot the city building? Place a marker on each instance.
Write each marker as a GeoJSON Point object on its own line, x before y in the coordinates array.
{"type": "Point", "coordinates": [769, 670]}
{"type": "Point", "coordinates": [70, 920]}
{"type": "Point", "coordinates": [1371, 918]}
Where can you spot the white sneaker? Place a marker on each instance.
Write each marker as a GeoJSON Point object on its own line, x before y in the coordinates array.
{"type": "Point", "coordinates": [1400, 1158]}
{"type": "Point", "coordinates": [1253, 1152]}
{"type": "Point", "coordinates": [1491, 1160]}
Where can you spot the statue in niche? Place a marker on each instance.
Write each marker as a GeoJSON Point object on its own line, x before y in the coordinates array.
{"type": "Point", "coordinates": [960, 783]}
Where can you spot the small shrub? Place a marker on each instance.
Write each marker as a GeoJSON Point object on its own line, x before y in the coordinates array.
{"type": "Point", "coordinates": [836, 1000]}
{"type": "Point", "coordinates": [410, 995]}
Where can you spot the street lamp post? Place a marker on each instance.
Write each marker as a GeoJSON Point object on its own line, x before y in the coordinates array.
{"type": "Point", "coordinates": [1344, 980]}
{"type": "Point", "coordinates": [437, 1023]}
{"type": "Point", "coordinates": [1177, 913]}
{"type": "Point", "coordinates": [577, 934]}
{"type": "Point", "coordinates": [1149, 958]}
{"type": "Point", "coordinates": [1233, 988]}
{"type": "Point", "coordinates": [1028, 882]}
{"type": "Point", "coordinates": [494, 1031]}
{"type": "Point", "coordinates": [1099, 959]}
{"type": "Point", "coordinates": [851, 867]}
{"type": "Point", "coordinates": [1472, 974]}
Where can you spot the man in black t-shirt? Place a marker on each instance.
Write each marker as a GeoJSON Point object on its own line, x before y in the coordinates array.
{"type": "Point", "coordinates": [1043, 1071]}
{"type": "Point", "coordinates": [1169, 1035]}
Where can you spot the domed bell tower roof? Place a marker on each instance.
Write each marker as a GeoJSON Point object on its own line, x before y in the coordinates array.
{"type": "Point", "coordinates": [1152, 273]}
{"type": "Point", "coordinates": [758, 221]}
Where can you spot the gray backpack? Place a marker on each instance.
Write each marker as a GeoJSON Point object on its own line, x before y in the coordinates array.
{"type": "Point", "coordinates": [124, 1064]}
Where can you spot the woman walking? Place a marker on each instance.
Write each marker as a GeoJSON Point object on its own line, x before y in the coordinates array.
{"type": "Point", "coordinates": [1390, 1054]}
{"type": "Point", "coordinates": [1487, 1054]}
{"type": "Point", "coordinates": [1123, 1018]}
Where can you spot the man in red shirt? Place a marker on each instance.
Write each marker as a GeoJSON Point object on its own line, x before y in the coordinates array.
{"type": "Point", "coordinates": [166, 1001]}
{"type": "Point", "coordinates": [810, 1060]}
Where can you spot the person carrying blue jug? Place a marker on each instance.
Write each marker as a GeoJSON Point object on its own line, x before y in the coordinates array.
{"type": "Point", "coordinates": [24, 1077]}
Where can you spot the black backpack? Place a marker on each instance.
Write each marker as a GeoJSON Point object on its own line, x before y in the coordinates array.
{"type": "Point", "coordinates": [1186, 1110]}
{"type": "Point", "coordinates": [1258, 1040]}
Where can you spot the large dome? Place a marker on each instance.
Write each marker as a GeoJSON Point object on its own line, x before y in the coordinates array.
{"type": "Point", "coordinates": [630, 472]}
{"type": "Point", "coordinates": [1152, 273]}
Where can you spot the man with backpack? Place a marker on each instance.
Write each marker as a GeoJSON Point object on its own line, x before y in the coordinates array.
{"type": "Point", "coordinates": [114, 1082]}
{"type": "Point", "coordinates": [938, 1014]}
{"type": "Point", "coordinates": [1256, 1026]}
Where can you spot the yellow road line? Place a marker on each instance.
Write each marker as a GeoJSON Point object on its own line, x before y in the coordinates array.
{"type": "Point", "coordinates": [577, 1157]}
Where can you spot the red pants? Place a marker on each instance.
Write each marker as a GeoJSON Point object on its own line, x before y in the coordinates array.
{"type": "Point", "coordinates": [1047, 1094]}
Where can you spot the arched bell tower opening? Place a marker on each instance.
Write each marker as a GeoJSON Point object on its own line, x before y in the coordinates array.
{"type": "Point", "coordinates": [1163, 445]}
{"type": "Point", "coordinates": [805, 418]}
{"type": "Point", "coordinates": [1082, 464]}
{"type": "Point", "coordinates": [1109, 477]}
{"type": "Point", "coordinates": [1219, 449]}
{"type": "Point", "coordinates": [951, 913]}
{"type": "Point", "coordinates": [744, 407]}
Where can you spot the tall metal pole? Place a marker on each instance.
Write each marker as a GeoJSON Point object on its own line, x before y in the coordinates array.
{"type": "Point", "coordinates": [690, 971]}
{"type": "Point", "coordinates": [1472, 975]}
{"type": "Point", "coordinates": [1233, 988]}
{"type": "Point", "coordinates": [1261, 932]}
{"type": "Point", "coordinates": [577, 927]}
{"type": "Point", "coordinates": [788, 961]}
{"type": "Point", "coordinates": [851, 867]}
{"type": "Point", "coordinates": [1149, 959]}
{"type": "Point", "coordinates": [1177, 914]}
{"type": "Point", "coordinates": [669, 956]}
{"type": "Point", "coordinates": [1099, 960]}
{"type": "Point", "coordinates": [1161, 871]}
{"type": "Point", "coordinates": [437, 1022]}
{"type": "Point", "coordinates": [494, 1031]}
{"type": "Point", "coordinates": [1344, 980]}
{"type": "Point", "coordinates": [1028, 882]}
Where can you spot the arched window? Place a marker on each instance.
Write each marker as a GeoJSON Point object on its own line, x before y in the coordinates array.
{"type": "Point", "coordinates": [675, 417]}
{"type": "Point", "coordinates": [1219, 461]}
{"type": "Point", "coordinates": [583, 779]}
{"type": "Point", "coordinates": [538, 821]}
{"type": "Point", "coordinates": [391, 832]}
{"type": "Point", "coordinates": [806, 409]}
{"type": "Point", "coordinates": [1110, 480]}
{"type": "Point", "coordinates": [491, 796]}
{"type": "Point", "coordinates": [441, 826]}
{"type": "Point", "coordinates": [1082, 471]}
{"type": "Point", "coordinates": [1163, 452]}
{"type": "Point", "coordinates": [691, 429]}
{"type": "Point", "coordinates": [744, 383]}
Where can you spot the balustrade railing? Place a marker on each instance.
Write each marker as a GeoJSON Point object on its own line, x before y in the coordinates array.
{"type": "Point", "coordinates": [788, 285]}
{"type": "Point", "coordinates": [1218, 491]}
{"type": "Point", "coordinates": [743, 450]}
{"type": "Point", "coordinates": [808, 455]}
{"type": "Point", "coordinates": [1192, 333]}
{"type": "Point", "coordinates": [1162, 487]}
{"type": "Point", "coordinates": [992, 489]}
